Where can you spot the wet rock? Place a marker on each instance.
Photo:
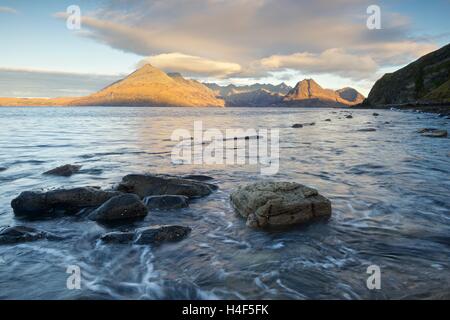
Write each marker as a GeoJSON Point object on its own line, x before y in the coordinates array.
{"type": "Point", "coordinates": [301, 125]}
{"type": "Point", "coordinates": [124, 206]}
{"type": "Point", "coordinates": [349, 116]}
{"type": "Point", "coordinates": [118, 237]}
{"type": "Point", "coordinates": [166, 202]}
{"type": "Point", "coordinates": [64, 171]}
{"type": "Point", "coordinates": [157, 184]}
{"type": "Point", "coordinates": [197, 177]}
{"type": "Point", "coordinates": [149, 235]}
{"type": "Point", "coordinates": [69, 201]}
{"type": "Point", "coordinates": [329, 120]}
{"type": "Point", "coordinates": [272, 204]}
{"type": "Point", "coordinates": [375, 114]}
{"type": "Point", "coordinates": [367, 130]}
{"type": "Point", "coordinates": [18, 234]}
{"type": "Point", "coordinates": [159, 234]}
{"type": "Point", "coordinates": [2, 169]}
{"type": "Point", "coordinates": [433, 133]}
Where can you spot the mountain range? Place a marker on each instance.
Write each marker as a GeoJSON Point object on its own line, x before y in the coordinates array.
{"type": "Point", "coordinates": [425, 81]}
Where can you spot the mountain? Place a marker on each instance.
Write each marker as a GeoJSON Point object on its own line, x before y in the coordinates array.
{"type": "Point", "coordinates": [425, 80]}
{"type": "Point", "coordinates": [149, 86]}
{"type": "Point", "coordinates": [231, 89]}
{"type": "Point", "coordinates": [258, 98]}
{"type": "Point", "coordinates": [351, 95]}
{"type": "Point", "coordinates": [309, 93]}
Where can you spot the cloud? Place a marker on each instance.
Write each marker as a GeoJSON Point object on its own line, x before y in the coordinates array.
{"type": "Point", "coordinates": [333, 61]}
{"type": "Point", "coordinates": [192, 65]}
{"type": "Point", "coordinates": [49, 84]}
{"type": "Point", "coordinates": [251, 38]}
{"type": "Point", "coordinates": [8, 10]}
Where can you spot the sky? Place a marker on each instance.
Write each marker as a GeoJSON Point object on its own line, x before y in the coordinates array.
{"type": "Point", "coordinates": [223, 41]}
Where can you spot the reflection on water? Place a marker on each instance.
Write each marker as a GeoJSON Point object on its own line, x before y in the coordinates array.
{"type": "Point", "coordinates": [389, 191]}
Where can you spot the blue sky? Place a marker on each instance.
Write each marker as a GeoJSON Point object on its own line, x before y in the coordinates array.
{"type": "Point", "coordinates": [235, 41]}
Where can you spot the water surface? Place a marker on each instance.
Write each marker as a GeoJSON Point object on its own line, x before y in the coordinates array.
{"type": "Point", "coordinates": [389, 189]}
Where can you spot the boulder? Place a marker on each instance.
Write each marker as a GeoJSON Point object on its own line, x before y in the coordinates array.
{"type": "Point", "coordinates": [433, 133]}
{"type": "Point", "coordinates": [149, 235]}
{"type": "Point", "coordinates": [64, 171]}
{"type": "Point", "coordinates": [68, 201]}
{"type": "Point", "coordinates": [272, 204]}
{"type": "Point", "coordinates": [145, 185]}
{"type": "Point", "coordinates": [124, 206]}
{"type": "Point", "coordinates": [297, 125]}
{"type": "Point", "coordinates": [349, 116]}
{"type": "Point", "coordinates": [18, 234]}
{"type": "Point", "coordinates": [166, 202]}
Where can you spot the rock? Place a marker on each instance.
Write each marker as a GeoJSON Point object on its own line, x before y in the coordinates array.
{"type": "Point", "coordinates": [271, 204]}
{"type": "Point", "coordinates": [124, 206]}
{"type": "Point", "coordinates": [198, 177]}
{"type": "Point", "coordinates": [149, 235]}
{"type": "Point", "coordinates": [18, 234]}
{"type": "Point", "coordinates": [367, 130]}
{"type": "Point", "coordinates": [375, 114]}
{"type": "Point", "coordinates": [329, 120]}
{"type": "Point", "coordinates": [349, 116]}
{"type": "Point", "coordinates": [2, 169]}
{"type": "Point", "coordinates": [69, 201]}
{"type": "Point", "coordinates": [118, 237]}
{"type": "Point", "coordinates": [65, 171]}
{"type": "Point", "coordinates": [297, 125]}
{"type": "Point", "coordinates": [158, 234]}
{"type": "Point", "coordinates": [166, 202]}
{"type": "Point", "coordinates": [154, 185]}
{"type": "Point", "coordinates": [433, 133]}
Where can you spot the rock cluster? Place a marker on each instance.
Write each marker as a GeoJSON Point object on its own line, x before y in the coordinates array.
{"type": "Point", "coordinates": [135, 195]}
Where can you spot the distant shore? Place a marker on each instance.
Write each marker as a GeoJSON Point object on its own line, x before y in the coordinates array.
{"type": "Point", "coordinates": [439, 108]}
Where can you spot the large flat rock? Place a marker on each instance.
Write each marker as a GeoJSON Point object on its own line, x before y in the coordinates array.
{"type": "Point", "coordinates": [272, 204]}
{"type": "Point", "coordinates": [145, 185]}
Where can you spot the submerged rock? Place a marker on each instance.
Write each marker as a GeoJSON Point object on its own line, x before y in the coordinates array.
{"type": "Point", "coordinates": [18, 234]}
{"type": "Point", "coordinates": [166, 202]}
{"type": "Point", "coordinates": [158, 234]}
{"type": "Point", "coordinates": [148, 235]}
{"type": "Point", "coordinates": [157, 184]}
{"type": "Point", "coordinates": [124, 206]}
{"type": "Point", "coordinates": [367, 130]}
{"type": "Point", "coordinates": [433, 133]}
{"type": "Point", "coordinates": [197, 177]}
{"type": "Point", "coordinates": [69, 201]}
{"type": "Point", "coordinates": [349, 116]}
{"type": "Point", "coordinates": [329, 120]}
{"type": "Point", "coordinates": [2, 169]}
{"type": "Point", "coordinates": [118, 237]}
{"type": "Point", "coordinates": [297, 125]}
{"type": "Point", "coordinates": [65, 171]}
{"type": "Point", "coordinates": [271, 204]}
{"type": "Point", "coordinates": [375, 114]}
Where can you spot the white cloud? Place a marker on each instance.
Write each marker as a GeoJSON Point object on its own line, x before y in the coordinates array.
{"type": "Point", "coordinates": [192, 65]}
{"type": "Point", "coordinates": [333, 61]}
